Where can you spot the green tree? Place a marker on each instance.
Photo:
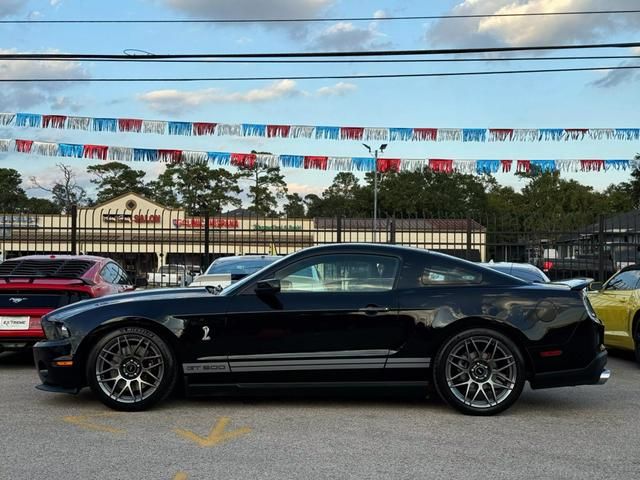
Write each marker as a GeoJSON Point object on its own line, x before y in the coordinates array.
{"type": "Point", "coordinates": [267, 187]}
{"type": "Point", "coordinates": [114, 179]}
{"type": "Point", "coordinates": [41, 206]}
{"type": "Point", "coordinates": [197, 188]}
{"type": "Point", "coordinates": [294, 208]}
{"type": "Point", "coordinates": [12, 195]}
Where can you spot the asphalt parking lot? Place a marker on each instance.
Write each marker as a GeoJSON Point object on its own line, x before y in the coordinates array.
{"type": "Point", "coordinates": [581, 432]}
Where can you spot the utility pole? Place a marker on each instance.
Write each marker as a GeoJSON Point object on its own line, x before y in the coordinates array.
{"type": "Point", "coordinates": [375, 153]}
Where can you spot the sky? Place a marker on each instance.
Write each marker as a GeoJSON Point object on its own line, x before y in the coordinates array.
{"type": "Point", "coordinates": [605, 99]}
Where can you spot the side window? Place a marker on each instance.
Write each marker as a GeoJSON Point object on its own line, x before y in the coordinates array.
{"type": "Point", "coordinates": [340, 273]}
{"type": "Point", "coordinates": [439, 272]}
{"type": "Point", "coordinates": [109, 274]}
{"type": "Point", "coordinates": [122, 277]}
{"type": "Point", "coordinates": [624, 281]}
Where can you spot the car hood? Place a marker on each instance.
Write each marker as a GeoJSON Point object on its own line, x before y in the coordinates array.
{"type": "Point", "coordinates": [123, 298]}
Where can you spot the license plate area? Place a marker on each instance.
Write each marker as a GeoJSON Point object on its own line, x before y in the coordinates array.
{"type": "Point", "coordinates": [14, 323]}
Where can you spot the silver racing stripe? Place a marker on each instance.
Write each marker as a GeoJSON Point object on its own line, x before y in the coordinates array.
{"type": "Point", "coordinates": [306, 364]}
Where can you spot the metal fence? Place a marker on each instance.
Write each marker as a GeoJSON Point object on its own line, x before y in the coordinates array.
{"type": "Point", "coordinates": [142, 241]}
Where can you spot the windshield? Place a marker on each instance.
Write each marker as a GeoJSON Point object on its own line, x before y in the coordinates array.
{"type": "Point", "coordinates": [241, 283]}
{"type": "Point", "coordinates": [240, 266]}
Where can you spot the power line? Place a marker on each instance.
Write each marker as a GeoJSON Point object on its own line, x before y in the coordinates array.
{"type": "Point", "coordinates": [136, 59]}
{"type": "Point", "coordinates": [365, 53]}
{"type": "Point", "coordinates": [318, 77]}
{"type": "Point", "coordinates": [320, 20]}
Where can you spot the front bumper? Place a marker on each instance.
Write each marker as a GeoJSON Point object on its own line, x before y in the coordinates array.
{"type": "Point", "coordinates": [56, 378]}
{"type": "Point", "coordinates": [594, 373]}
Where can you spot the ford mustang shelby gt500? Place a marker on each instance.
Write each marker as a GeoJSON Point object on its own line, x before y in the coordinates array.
{"type": "Point", "coordinates": [332, 316]}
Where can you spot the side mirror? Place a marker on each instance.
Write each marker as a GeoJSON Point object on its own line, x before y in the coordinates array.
{"type": "Point", "coordinates": [268, 287]}
{"type": "Point", "coordinates": [141, 282]}
{"type": "Point", "coordinates": [595, 286]}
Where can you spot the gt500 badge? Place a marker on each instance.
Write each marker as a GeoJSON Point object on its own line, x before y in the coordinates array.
{"type": "Point", "coordinates": [205, 368]}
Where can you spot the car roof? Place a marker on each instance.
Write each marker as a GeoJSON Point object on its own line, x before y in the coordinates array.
{"type": "Point", "coordinates": [92, 258]}
{"type": "Point", "coordinates": [246, 257]}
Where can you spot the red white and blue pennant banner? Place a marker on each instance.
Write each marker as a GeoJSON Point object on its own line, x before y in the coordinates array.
{"type": "Point", "coordinates": [309, 162]}
{"type": "Point", "coordinates": [319, 132]}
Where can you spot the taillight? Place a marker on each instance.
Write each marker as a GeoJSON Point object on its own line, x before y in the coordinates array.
{"type": "Point", "coordinates": [34, 323]}
{"type": "Point", "coordinates": [546, 266]}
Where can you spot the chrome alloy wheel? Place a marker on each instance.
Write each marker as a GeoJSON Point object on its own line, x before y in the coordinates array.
{"type": "Point", "coordinates": [129, 368]}
{"type": "Point", "coordinates": [481, 372]}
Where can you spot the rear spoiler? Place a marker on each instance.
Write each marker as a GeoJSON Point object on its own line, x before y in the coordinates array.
{"type": "Point", "coordinates": [575, 283]}
{"type": "Point", "coordinates": [32, 278]}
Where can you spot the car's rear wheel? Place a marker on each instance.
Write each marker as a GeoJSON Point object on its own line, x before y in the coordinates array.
{"type": "Point", "coordinates": [479, 372]}
{"type": "Point", "coordinates": [131, 369]}
{"type": "Point", "coordinates": [636, 338]}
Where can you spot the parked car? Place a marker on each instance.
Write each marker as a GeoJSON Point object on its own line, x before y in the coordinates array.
{"type": "Point", "coordinates": [367, 315]}
{"type": "Point", "coordinates": [617, 304]}
{"type": "Point", "coordinates": [227, 270]}
{"type": "Point", "coordinates": [35, 285]}
{"type": "Point", "coordinates": [523, 271]}
{"type": "Point", "coordinates": [582, 265]}
{"type": "Point", "coordinates": [170, 276]}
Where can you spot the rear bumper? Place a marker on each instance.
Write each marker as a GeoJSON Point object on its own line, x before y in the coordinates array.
{"type": "Point", "coordinates": [55, 378]}
{"type": "Point", "coordinates": [594, 373]}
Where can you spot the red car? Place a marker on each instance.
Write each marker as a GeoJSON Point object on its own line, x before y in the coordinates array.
{"type": "Point", "coordinates": [34, 285]}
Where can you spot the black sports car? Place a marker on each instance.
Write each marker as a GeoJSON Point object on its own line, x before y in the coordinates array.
{"type": "Point", "coordinates": [332, 316]}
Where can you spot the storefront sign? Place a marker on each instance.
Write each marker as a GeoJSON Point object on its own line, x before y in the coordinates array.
{"type": "Point", "coordinates": [277, 228]}
{"type": "Point", "coordinates": [117, 217]}
{"type": "Point", "coordinates": [200, 223]}
{"type": "Point", "coordinates": [146, 218]}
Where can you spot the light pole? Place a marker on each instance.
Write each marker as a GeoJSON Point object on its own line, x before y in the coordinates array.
{"type": "Point", "coordinates": [375, 186]}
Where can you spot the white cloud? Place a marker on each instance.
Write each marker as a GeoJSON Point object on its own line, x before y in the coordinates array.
{"type": "Point", "coordinates": [55, 3]}
{"type": "Point", "coordinates": [10, 7]}
{"type": "Point", "coordinates": [518, 31]}
{"type": "Point", "coordinates": [343, 36]}
{"type": "Point", "coordinates": [339, 89]}
{"type": "Point", "coordinates": [380, 14]}
{"type": "Point", "coordinates": [304, 189]}
{"type": "Point", "coordinates": [26, 95]}
{"type": "Point", "coordinates": [172, 101]}
{"type": "Point", "coordinates": [250, 9]}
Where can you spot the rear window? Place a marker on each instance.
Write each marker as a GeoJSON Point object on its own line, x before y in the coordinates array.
{"type": "Point", "coordinates": [45, 268]}
{"type": "Point", "coordinates": [241, 266]}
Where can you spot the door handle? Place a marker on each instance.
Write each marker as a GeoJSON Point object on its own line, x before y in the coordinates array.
{"type": "Point", "coordinates": [373, 309]}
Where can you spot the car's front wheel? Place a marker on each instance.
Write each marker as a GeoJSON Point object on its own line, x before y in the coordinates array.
{"type": "Point", "coordinates": [479, 372]}
{"type": "Point", "coordinates": [131, 369]}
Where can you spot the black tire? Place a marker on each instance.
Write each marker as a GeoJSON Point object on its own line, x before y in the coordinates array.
{"type": "Point", "coordinates": [478, 361]}
{"type": "Point", "coordinates": [131, 369]}
{"type": "Point", "coordinates": [636, 339]}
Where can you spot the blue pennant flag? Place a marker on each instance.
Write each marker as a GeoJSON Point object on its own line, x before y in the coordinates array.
{"type": "Point", "coordinates": [254, 130]}
{"type": "Point", "coordinates": [363, 164]}
{"type": "Point", "coordinates": [474, 134]}
{"type": "Point", "coordinates": [28, 120]}
{"type": "Point", "coordinates": [544, 165]}
{"type": "Point", "coordinates": [179, 128]}
{"type": "Point", "coordinates": [145, 155]}
{"type": "Point", "coordinates": [402, 134]}
{"type": "Point", "coordinates": [327, 133]}
{"type": "Point", "coordinates": [487, 166]}
{"type": "Point", "coordinates": [219, 158]}
{"type": "Point", "coordinates": [70, 150]}
{"type": "Point", "coordinates": [105, 124]}
{"type": "Point", "coordinates": [292, 161]}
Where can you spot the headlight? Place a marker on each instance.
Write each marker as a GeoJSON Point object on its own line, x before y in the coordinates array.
{"type": "Point", "coordinates": [55, 330]}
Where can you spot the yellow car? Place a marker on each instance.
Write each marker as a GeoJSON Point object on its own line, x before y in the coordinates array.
{"type": "Point", "coordinates": [617, 304]}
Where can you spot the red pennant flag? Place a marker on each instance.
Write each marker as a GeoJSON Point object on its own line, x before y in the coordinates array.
{"type": "Point", "coordinates": [171, 156]}
{"type": "Point", "coordinates": [591, 165]}
{"type": "Point", "coordinates": [130, 125]}
{"type": "Point", "coordinates": [315, 163]}
{"type": "Point", "coordinates": [53, 121]}
{"type": "Point", "coordinates": [441, 165]}
{"type": "Point", "coordinates": [425, 134]}
{"type": "Point", "coordinates": [24, 146]}
{"type": "Point", "coordinates": [98, 152]}
{"type": "Point", "coordinates": [523, 166]}
{"type": "Point", "coordinates": [203, 128]}
{"type": "Point", "coordinates": [278, 131]}
{"type": "Point", "coordinates": [243, 160]}
{"type": "Point", "coordinates": [388, 165]}
{"type": "Point", "coordinates": [506, 165]}
{"type": "Point", "coordinates": [351, 133]}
